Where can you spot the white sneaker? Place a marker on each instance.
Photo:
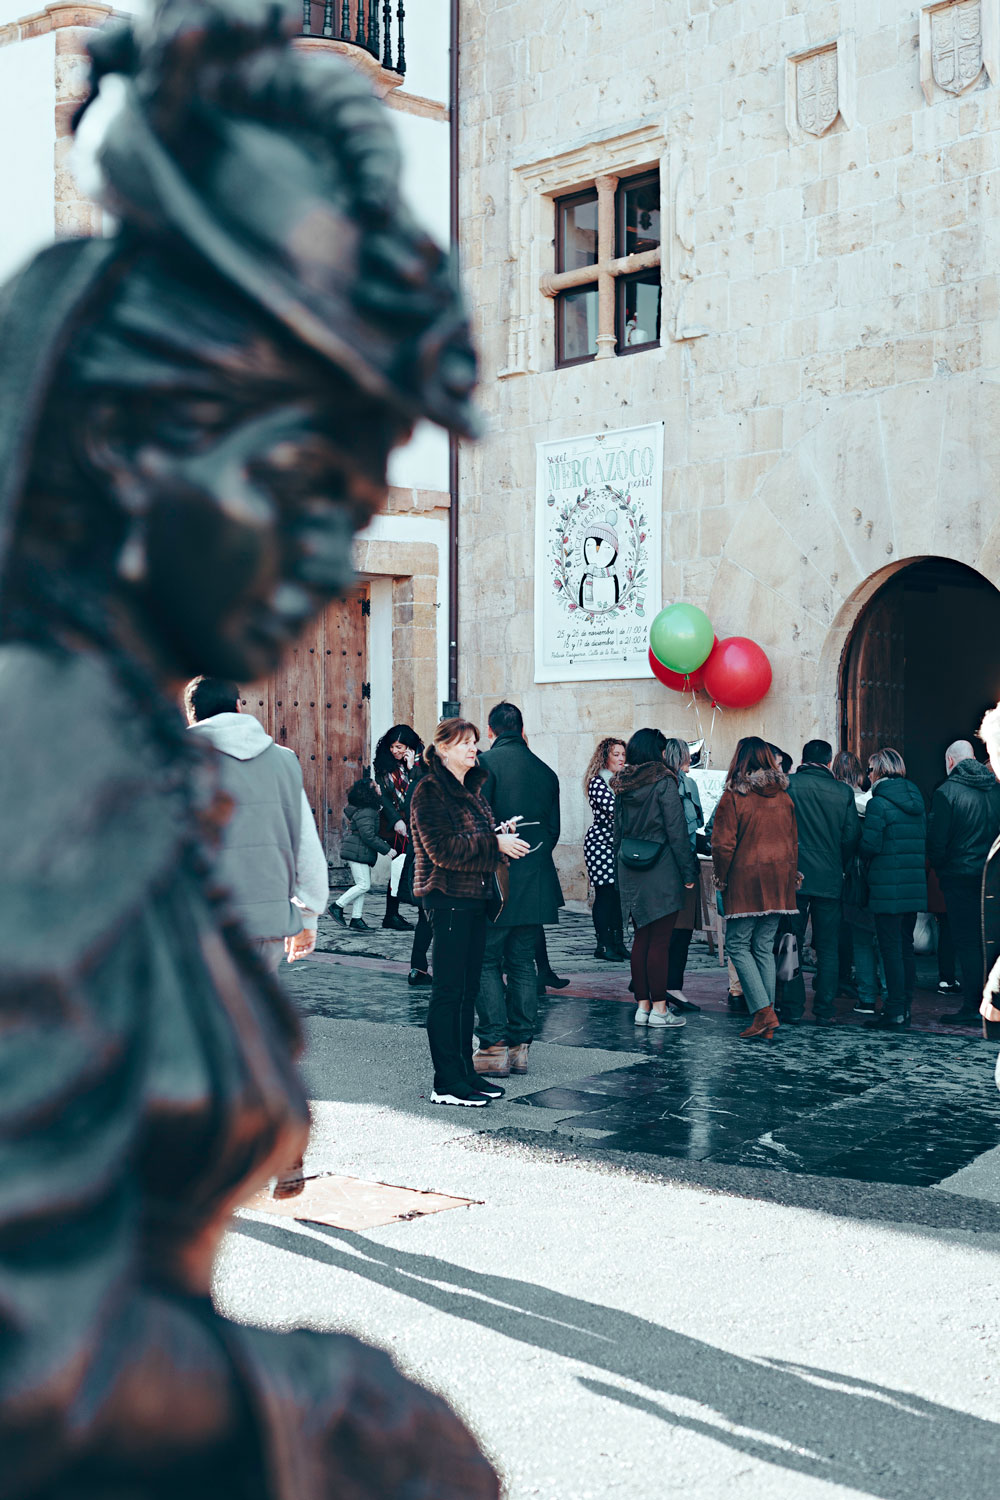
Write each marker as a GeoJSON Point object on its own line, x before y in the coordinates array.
{"type": "Point", "coordinates": [655, 1019]}
{"type": "Point", "coordinates": [463, 1098]}
{"type": "Point", "coordinates": [641, 1017]}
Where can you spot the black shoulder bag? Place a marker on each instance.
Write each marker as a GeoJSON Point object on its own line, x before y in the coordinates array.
{"type": "Point", "coordinates": [641, 854]}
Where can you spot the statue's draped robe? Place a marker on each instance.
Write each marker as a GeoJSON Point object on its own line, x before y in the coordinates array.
{"type": "Point", "coordinates": [147, 1084]}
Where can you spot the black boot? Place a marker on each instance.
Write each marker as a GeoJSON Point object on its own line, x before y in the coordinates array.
{"type": "Point", "coordinates": [392, 918]}
{"type": "Point", "coordinates": [605, 944]}
{"type": "Point", "coordinates": [616, 947]}
{"type": "Point", "coordinates": [546, 977]}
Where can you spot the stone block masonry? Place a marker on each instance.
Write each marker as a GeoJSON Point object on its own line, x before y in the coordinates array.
{"type": "Point", "coordinates": [828, 365]}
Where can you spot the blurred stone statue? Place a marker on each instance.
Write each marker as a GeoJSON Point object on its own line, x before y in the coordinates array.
{"type": "Point", "coordinates": [195, 416]}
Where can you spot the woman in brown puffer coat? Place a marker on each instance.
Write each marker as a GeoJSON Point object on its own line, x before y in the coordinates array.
{"type": "Point", "coordinates": [755, 850]}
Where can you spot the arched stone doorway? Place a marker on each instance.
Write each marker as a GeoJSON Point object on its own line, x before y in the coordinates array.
{"type": "Point", "coordinates": [880, 483]}
{"type": "Point", "coordinates": [921, 665]}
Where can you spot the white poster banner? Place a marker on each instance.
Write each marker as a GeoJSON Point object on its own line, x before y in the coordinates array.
{"type": "Point", "coordinates": [711, 785]}
{"type": "Point", "coordinates": [597, 554]}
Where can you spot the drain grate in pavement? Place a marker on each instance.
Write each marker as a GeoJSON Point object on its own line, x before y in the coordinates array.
{"type": "Point", "coordinates": [350, 1203]}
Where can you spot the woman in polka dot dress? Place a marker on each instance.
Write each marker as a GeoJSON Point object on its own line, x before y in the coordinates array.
{"type": "Point", "coordinates": [598, 851]}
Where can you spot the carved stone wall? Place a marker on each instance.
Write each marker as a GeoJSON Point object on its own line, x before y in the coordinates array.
{"type": "Point", "coordinates": [828, 383]}
{"type": "Point", "coordinates": [817, 97]}
{"type": "Point", "coordinates": [957, 45]}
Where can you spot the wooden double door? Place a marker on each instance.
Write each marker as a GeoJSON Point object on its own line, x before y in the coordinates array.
{"type": "Point", "coordinates": [317, 704]}
{"type": "Point", "coordinates": [921, 666]}
{"type": "Point", "coordinates": [873, 677]}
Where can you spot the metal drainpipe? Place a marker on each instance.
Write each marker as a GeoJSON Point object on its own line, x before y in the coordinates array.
{"type": "Point", "coordinates": [451, 707]}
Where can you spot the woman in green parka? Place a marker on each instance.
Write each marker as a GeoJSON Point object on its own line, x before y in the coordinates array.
{"type": "Point", "coordinates": [894, 842]}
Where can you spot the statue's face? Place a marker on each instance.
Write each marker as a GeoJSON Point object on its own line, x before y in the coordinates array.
{"type": "Point", "coordinates": [243, 532]}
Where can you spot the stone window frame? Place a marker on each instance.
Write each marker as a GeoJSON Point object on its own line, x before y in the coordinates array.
{"type": "Point", "coordinates": [534, 187]}
{"type": "Point", "coordinates": [991, 49]}
{"type": "Point", "coordinates": [608, 270]}
{"type": "Point", "coordinates": [846, 86]}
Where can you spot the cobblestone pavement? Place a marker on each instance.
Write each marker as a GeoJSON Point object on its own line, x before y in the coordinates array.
{"type": "Point", "coordinates": [842, 1102]}
{"type": "Point", "coordinates": [630, 1306]}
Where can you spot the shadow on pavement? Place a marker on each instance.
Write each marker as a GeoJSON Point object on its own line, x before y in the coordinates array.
{"type": "Point", "coordinates": [849, 1432]}
{"type": "Point", "coordinates": [948, 1217]}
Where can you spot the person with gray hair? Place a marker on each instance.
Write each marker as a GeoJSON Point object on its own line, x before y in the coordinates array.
{"type": "Point", "coordinates": [964, 821]}
{"type": "Point", "coordinates": [677, 756]}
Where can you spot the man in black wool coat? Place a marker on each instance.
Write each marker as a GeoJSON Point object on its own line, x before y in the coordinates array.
{"type": "Point", "coordinates": [520, 785]}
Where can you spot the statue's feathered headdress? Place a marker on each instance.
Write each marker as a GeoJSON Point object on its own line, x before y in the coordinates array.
{"type": "Point", "coordinates": [206, 130]}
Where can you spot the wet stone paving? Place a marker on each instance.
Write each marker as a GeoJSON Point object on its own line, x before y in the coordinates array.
{"type": "Point", "coordinates": [908, 1110]}
{"type": "Point", "coordinates": [842, 1102]}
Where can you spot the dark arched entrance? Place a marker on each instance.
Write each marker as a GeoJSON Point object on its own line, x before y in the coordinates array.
{"type": "Point", "coordinates": [921, 666]}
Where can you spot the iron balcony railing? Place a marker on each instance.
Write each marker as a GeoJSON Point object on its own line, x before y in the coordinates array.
{"type": "Point", "coordinates": [362, 23]}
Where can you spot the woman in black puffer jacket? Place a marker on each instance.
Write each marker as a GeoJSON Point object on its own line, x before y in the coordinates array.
{"type": "Point", "coordinates": [894, 841]}
{"type": "Point", "coordinates": [648, 808]}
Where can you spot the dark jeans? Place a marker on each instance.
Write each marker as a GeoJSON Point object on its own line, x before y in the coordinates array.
{"type": "Point", "coordinates": [946, 948]}
{"type": "Point", "coordinates": [845, 950]}
{"type": "Point", "coordinates": [963, 898]}
{"type": "Point", "coordinates": [421, 941]}
{"type": "Point", "coordinates": [607, 911]}
{"type": "Point", "coordinates": [651, 958]}
{"type": "Point", "coordinates": [865, 961]}
{"type": "Point", "coordinates": [825, 913]}
{"type": "Point", "coordinates": [509, 1016]}
{"type": "Point", "coordinates": [894, 931]}
{"type": "Point", "coordinates": [680, 942]}
{"type": "Point", "coordinates": [459, 939]}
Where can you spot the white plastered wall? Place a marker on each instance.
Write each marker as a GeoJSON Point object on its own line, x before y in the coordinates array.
{"type": "Point", "coordinates": [27, 162]}
{"type": "Point", "coordinates": [379, 657]}
{"type": "Point", "coordinates": [423, 463]}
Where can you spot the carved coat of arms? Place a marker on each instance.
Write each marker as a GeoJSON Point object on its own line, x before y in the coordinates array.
{"type": "Point", "coordinates": [817, 92]}
{"type": "Point", "coordinates": [957, 45]}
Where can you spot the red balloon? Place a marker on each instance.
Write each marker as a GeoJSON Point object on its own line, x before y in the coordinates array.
{"type": "Point", "coordinates": [737, 674]}
{"type": "Point", "coordinates": [677, 680]}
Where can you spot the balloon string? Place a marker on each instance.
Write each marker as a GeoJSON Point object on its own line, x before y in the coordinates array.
{"type": "Point", "coordinates": [697, 713]}
{"type": "Point", "coordinates": [711, 733]}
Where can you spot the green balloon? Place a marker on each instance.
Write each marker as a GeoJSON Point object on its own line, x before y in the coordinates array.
{"type": "Point", "coordinates": [681, 637]}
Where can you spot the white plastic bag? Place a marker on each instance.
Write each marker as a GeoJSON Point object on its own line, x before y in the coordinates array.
{"type": "Point", "coordinates": [787, 956]}
{"type": "Point", "coordinates": [925, 933]}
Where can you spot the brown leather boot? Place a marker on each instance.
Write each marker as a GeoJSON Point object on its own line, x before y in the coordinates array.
{"type": "Point", "coordinates": [493, 1062]}
{"type": "Point", "coordinates": [519, 1057]}
{"type": "Point", "coordinates": [764, 1024]}
{"type": "Point", "coordinates": [290, 1182]}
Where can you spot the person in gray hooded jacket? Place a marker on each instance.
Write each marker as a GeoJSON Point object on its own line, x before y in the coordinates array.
{"type": "Point", "coordinates": [271, 860]}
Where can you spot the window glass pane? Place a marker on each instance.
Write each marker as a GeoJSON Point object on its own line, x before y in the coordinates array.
{"type": "Point", "coordinates": [578, 225]}
{"type": "Point", "coordinates": [639, 309]}
{"type": "Point", "coordinates": [576, 313]}
{"type": "Point", "coordinates": [642, 216]}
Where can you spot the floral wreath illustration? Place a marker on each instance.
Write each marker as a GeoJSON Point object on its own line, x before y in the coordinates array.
{"type": "Point", "coordinates": [589, 507]}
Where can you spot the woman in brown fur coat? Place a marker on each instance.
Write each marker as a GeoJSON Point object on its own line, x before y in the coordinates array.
{"type": "Point", "coordinates": [755, 850]}
{"type": "Point", "coordinates": [457, 850]}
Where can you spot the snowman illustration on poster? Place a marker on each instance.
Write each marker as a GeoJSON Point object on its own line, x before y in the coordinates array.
{"type": "Point", "coordinates": [597, 554]}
